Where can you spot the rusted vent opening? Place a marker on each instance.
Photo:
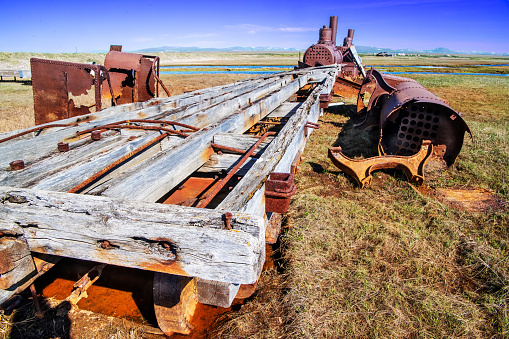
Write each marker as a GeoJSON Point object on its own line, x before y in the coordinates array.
{"type": "Point", "coordinates": [418, 122]}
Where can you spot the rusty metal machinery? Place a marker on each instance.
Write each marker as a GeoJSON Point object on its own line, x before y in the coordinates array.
{"type": "Point", "coordinates": [134, 77]}
{"type": "Point", "coordinates": [409, 114]}
{"type": "Point", "coordinates": [325, 52]}
{"type": "Point", "coordinates": [61, 89]}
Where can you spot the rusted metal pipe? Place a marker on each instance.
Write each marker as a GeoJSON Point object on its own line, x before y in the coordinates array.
{"type": "Point", "coordinates": [231, 173]}
{"type": "Point", "coordinates": [36, 129]}
{"type": "Point", "coordinates": [150, 128]}
{"type": "Point", "coordinates": [334, 27]}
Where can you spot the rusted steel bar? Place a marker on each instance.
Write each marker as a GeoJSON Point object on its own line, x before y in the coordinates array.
{"type": "Point", "coordinates": [141, 121]}
{"type": "Point", "coordinates": [150, 128]}
{"type": "Point", "coordinates": [233, 149]}
{"type": "Point", "coordinates": [271, 122]}
{"type": "Point", "coordinates": [36, 129]}
{"type": "Point", "coordinates": [230, 174]}
{"type": "Point", "coordinates": [38, 312]}
{"type": "Point", "coordinates": [79, 187]}
{"type": "Point", "coordinates": [156, 75]}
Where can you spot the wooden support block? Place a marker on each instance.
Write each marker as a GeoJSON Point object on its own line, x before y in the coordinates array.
{"type": "Point", "coordinates": [16, 263]}
{"type": "Point", "coordinates": [216, 293]}
{"type": "Point", "coordinates": [175, 300]}
{"type": "Point", "coordinates": [273, 229]}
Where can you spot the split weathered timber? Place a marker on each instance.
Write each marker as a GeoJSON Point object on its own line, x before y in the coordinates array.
{"type": "Point", "coordinates": [164, 238]}
{"type": "Point", "coordinates": [15, 261]}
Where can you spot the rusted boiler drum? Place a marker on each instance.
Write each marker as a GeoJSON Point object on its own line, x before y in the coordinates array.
{"type": "Point", "coordinates": [325, 51]}
{"type": "Point", "coordinates": [409, 114]}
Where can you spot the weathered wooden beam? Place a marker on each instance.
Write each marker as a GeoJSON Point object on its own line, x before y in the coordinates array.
{"type": "Point", "coordinates": [164, 238]}
{"type": "Point", "coordinates": [16, 262]}
{"type": "Point", "coordinates": [240, 141]}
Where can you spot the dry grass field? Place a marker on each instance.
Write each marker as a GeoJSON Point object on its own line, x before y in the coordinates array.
{"type": "Point", "coordinates": [387, 261]}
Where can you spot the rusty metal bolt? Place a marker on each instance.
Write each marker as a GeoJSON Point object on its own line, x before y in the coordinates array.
{"type": "Point", "coordinates": [63, 146]}
{"type": "Point", "coordinates": [106, 245]}
{"type": "Point", "coordinates": [17, 165]}
{"type": "Point", "coordinates": [227, 218]}
{"type": "Point", "coordinates": [96, 135]}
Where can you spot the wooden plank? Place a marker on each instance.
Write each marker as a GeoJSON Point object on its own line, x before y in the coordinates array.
{"type": "Point", "coordinates": [225, 162]}
{"type": "Point", "coordinates": [58, 162]}
{"type": "Point", "coordinates": [150, 180]}
{"type": "Point", "coordinates": [164, 238]}
{"type": "Point", "coordinates": [216, 293]}
{"type": "Point", "coordinates": [175, 300]}
{"type": "Point", "coordinates": [286, 110]}
{"type": "Point", "coordinates": [240, 141]}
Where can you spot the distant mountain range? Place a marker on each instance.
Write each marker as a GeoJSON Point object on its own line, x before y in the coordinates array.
{"type": "Point", "coordinates": [360, 49]}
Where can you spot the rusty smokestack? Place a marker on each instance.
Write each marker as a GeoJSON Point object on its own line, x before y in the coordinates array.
{"type": "Point", "coordinates": [334, 27]}
{"type": "Point", "coordinates": [349, 39]}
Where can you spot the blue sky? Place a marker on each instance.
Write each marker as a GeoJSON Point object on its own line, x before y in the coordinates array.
{"type": "Point", "coordinates": [64, 26]}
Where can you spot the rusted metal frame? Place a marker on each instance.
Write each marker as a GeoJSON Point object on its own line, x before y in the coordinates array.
{"type": "Point", "coordinates": [36, 129]}
{"type": "Point", "coordinates": [164, 122]}
{"type": "Point", "coordinates": [233, 150]}
{"type": "Point", "coordinates": [382, 87]}
{"type": "Point", "coordinates": [361, 170]}
{"type": "Point", "coordinates": [78, 188]}
{"type": "Point", "coordinates": [150, 128]}
{"type": "Point", "coordinates": [156, 75]}
{"type": "Point", "coordinates": [242, 160]}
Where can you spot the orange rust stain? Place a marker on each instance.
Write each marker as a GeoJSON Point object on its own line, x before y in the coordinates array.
{"type": "Point", "coordinates": [269, 257]}
{"type": "Point", "coordinates": [104, 300]}
{"type": "Point", "coordinates": [206, 155]}
{"type": "Point", "coordinates": [469, 199]}
{"type": "Point", "coordinates": [193, 187]}
{"type": "Point", "coordinates": [204, 318]}
{"type": "Point", "coordinates": [142, 115]}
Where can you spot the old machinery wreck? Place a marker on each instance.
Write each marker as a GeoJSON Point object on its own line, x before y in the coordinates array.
{"type": "Point", "coordinates": [187, 190]}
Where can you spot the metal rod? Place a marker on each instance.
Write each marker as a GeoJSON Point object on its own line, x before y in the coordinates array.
{"type": "Point", "coordinates": [156, 128]}
{"type": "Point", "coordinates": [230, 174]}
{"type": "Point", "coordinates": [233, 149]}
{"type": "Point", "coordinates": [35, 130]}
{"type": "Point", "coordinates": [164, 122]}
